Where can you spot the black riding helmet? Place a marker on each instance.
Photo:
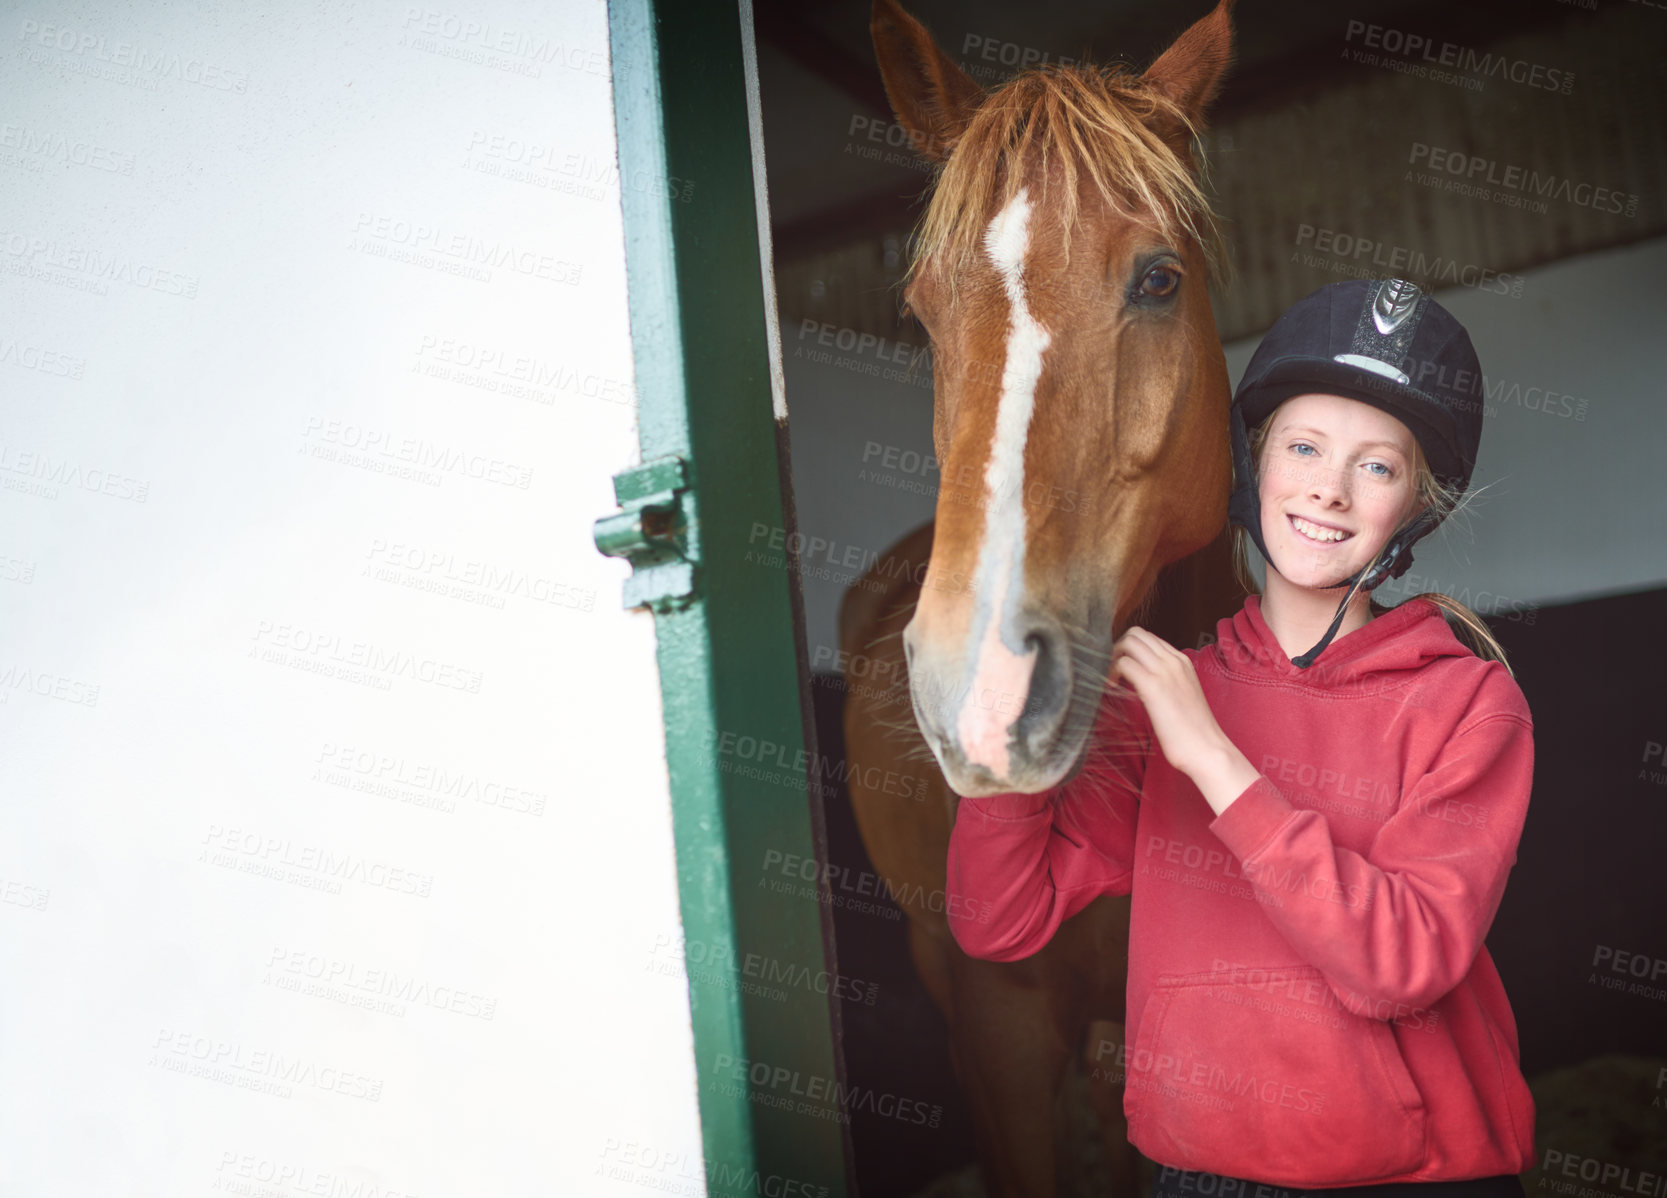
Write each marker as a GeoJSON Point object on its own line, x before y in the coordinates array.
{"type": "Point", "coordinates": [1383, 342]}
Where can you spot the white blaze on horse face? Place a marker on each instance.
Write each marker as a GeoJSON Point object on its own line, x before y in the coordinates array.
{"type": "Point", "coordinates": [1000, 676]}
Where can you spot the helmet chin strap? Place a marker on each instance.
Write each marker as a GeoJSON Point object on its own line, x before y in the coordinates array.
{"type": "Point", "coordinates": [1391, 562]}
{"type": "Point", "coordinates": [1304, 660]}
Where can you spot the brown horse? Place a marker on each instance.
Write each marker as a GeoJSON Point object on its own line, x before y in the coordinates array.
{"type": "Point", "coordinates": [1081, 425]}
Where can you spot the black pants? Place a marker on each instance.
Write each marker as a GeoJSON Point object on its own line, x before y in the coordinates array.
{"type": "Point", "coordinates": [1187, 1183]}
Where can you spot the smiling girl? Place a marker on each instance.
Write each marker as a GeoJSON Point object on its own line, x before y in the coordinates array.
{"type": "Point", "coordinates": [1318, 844]}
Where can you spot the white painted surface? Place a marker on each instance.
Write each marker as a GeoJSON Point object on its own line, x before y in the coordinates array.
{"type": "Point", "coordinates": [315, 694]}
{"type": "Point", "coordinates": [761, 210]}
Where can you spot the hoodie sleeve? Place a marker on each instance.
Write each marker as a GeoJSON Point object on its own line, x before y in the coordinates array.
{"type": "Point", "coordinates": [1403, 923]}
{"type": "Point", "coordinates": [1021, 864]}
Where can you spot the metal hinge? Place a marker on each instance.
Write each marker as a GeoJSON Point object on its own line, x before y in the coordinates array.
{"type": "Point", "coordinates": [651, 533]}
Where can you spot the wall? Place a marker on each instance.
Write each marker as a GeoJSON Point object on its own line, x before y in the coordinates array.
{"type": "Point", "coordinates": [335, 841]}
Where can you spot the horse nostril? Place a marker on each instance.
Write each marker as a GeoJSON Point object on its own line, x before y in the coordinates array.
{"type": "Point", "coordinates": [1048, 681]}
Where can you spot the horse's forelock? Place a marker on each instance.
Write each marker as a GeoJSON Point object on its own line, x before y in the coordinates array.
{"type": "Point", "coordinates": [1093, 120]}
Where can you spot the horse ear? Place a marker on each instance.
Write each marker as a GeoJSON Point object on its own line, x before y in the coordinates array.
{"type": "Point", "coordinates": [932, 97]}
{"type": "Point", "coordinates": [1191, 71]}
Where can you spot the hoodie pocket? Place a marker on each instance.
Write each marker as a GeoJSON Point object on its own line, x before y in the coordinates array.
{"type": "Point", "coordinates": [1262, 1074]}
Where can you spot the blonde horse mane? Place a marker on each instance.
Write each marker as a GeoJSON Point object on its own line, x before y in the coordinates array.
{"type": "Point", "coordinates": [1089, 119]}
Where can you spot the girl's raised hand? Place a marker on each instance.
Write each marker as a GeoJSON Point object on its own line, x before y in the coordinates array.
{"type": "Point", "coordinates": [1163, 677]}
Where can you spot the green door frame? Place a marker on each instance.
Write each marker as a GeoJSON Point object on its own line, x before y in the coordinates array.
{"type": "Point", "coordinates": [740, 743]}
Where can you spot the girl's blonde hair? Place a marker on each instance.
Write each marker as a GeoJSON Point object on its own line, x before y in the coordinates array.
{"type": "Point", "coordinates": [1466, 624]}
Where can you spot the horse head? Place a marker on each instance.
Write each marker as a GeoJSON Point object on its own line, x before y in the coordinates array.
{"type": "Point", "coordinates": [1080, 401]}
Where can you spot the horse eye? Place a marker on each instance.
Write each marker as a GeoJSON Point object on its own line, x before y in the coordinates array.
{"type": "Point", "coordinates": [1159, 282]}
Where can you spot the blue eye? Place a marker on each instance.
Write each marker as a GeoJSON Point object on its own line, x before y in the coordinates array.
{"type": "Point", "coordinates": [1300, 445]}
{"type": "Point", "coordinates": [1382, 470]}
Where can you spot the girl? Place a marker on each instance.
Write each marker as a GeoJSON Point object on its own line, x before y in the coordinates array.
{"type": "Point", "coordinates": [1318, 847]}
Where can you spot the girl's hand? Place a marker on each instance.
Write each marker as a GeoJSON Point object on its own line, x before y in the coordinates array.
{"type": "Point", "coordinates": [1187, 732]}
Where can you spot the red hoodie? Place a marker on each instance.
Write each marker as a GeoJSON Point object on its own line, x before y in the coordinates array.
{"type": "Point", "coordinates": [1309, 1000]}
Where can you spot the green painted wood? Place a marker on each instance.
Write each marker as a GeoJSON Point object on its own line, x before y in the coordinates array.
{"type": "Point", "coordinates": [760, 980]}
